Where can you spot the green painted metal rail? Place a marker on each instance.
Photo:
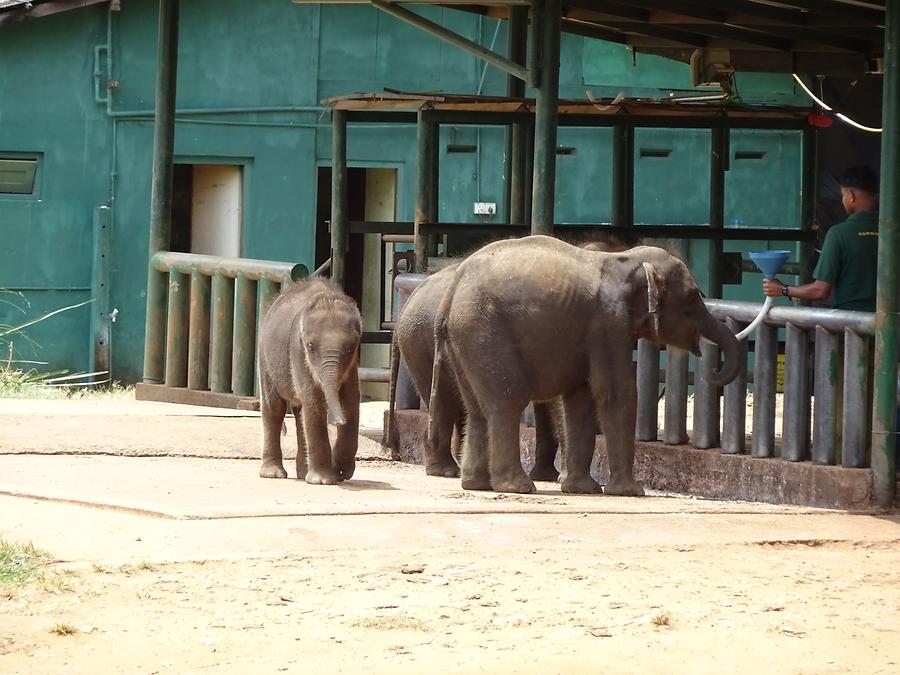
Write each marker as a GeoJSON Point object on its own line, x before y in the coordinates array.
{"type": "Point", "coordinates": [208, 315]}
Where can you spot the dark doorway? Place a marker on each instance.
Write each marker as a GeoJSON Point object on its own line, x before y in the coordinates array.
{"type": "Point", "coordinates": [356, 203]}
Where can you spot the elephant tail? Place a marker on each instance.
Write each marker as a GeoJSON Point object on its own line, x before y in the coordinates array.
{"type": "Point", "coordinates": [441, 321]}
{"type": "Point", "coordinates": [392, 438]}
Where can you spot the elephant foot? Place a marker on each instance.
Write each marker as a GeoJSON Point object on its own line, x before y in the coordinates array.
{"type": "Point", "coordinates": [327, 477]}
{"type": "Point", "coordinates": [478, 482]}
{"type": "Point", "coordinates": [548, 473]}
{"type": "Point", "coordinates": [272, 470]}
{"type": "Point", "coordinates": [444, 469]}
{"type": "Point", "coordinates": [346, 469]}
{"type": "Point", "coordinates": [517, 484]}
{"type": "Point", "coordinates": [624, 488]}
{"type": "Point", "coordinates": [582, 485]}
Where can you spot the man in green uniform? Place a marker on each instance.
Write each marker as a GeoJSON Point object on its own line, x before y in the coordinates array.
{"type": "Point", "coordinates": [847, 265]}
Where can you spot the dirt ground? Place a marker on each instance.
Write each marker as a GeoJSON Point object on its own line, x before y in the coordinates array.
{"type": "Point", "coordinates": [171, 556]}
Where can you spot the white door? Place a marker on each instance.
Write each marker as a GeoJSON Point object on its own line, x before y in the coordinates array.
{"type": "Point", "coordinates": [216, 210]}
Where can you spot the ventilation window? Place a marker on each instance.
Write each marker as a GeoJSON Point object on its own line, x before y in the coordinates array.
{"type": "Point", "coordinates": [565, 150]}
{"type": "Point", "coordinates": [749, 154]}
{"type": "Point", "coordinates": [17, 175]}
{"type": "Point", "coordinates": [461, 149]}
{"type": "Point", "coordinates": [655, 152]}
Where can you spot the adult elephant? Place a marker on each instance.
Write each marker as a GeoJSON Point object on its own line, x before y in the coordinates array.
{"type": "Point", "coordinates": [414, 339]}
{"type": "Point", "coordinates": [536, 318]}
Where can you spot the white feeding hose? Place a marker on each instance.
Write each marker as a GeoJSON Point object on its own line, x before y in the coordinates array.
{"type": "Point", "coordinates": [758, 320]}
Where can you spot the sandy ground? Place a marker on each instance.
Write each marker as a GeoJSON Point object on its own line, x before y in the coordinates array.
{"type": "Point", "coordinates": [182, 560]}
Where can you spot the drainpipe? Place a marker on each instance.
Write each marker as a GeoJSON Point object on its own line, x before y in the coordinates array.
{"type": "Point", "coordinates": [161, 189]}
{"type": "Point", "coordinates": [548, 12]}
{"type": "Point", "coordinates": [885, 397]}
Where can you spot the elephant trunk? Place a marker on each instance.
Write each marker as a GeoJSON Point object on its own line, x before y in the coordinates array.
{"type": "Point", "coordinates": [716, 331]}
{"type": "Point", "coordinates": [329, 380]}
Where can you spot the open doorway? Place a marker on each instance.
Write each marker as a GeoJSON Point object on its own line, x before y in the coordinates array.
{"type": "Point", "coordinates": [372, 196]}
{"type": "Point", "coordinates": [207, 209]}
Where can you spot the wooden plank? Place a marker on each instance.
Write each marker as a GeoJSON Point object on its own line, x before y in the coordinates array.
{"type": "Point", "coordinates": [184, 396]}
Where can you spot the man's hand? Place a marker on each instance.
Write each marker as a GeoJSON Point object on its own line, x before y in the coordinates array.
{"type": "Point", "coordinates": [772, 287]}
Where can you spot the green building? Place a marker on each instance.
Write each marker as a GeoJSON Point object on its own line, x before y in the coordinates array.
{"type": "Point", "coordinates": [253, 149]}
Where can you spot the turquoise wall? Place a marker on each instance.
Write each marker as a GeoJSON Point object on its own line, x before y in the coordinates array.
{"type": "Point", "coordinates": [235, 66]}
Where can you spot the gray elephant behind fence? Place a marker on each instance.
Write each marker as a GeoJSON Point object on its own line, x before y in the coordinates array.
{"type": "Point", "coordinates": [534, 319]}
{"type": "Point", "coordinates": [414, 340]}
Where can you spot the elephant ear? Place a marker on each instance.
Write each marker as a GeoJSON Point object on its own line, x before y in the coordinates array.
{"type": "Point", "coordinates": [653, 293]}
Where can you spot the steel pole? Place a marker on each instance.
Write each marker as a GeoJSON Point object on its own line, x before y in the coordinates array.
{"type": "Point", "coordinates": [161, 189]}
{"type": "Point", "coordinates": [339, 238]}
{"type": "Point", "coordinates": [425, 156]}
{"type": "Point", "coordinates": [623, 176]}
{"type": "Point", "coordinates": [546, 109]}
{"type": "Point", "coordinates": [885, 398]}
{"type": "Point", "coordinates": [517, 49]}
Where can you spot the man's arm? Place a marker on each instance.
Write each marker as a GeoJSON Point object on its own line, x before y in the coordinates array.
{"type": "Point", "coordinates": [817, 290]}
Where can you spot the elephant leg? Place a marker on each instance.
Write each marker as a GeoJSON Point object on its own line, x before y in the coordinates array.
{"type": "Point", "coordinates": [439, 459]}
{"type": "Point", "coordinates": [273, 409]}
{"type": "Point", "coordinates": [315, 424]}
{"type": "Point", "coordinates": [616, 397]}
{"type": "Point", "coordinates": [456, 443]}
{"type": "Point", "coordinates": [506, 470]}
{"type": "Point", "coordinates": [343, 455]}
{"type": "Point", "coordinates": [545, 442]}
{"type": "Point", "coordinates": [580, 438]}
{"type": "Point", "coordinates": [475, 472]}
{"type": "Point", "coordinates": [300, 460]}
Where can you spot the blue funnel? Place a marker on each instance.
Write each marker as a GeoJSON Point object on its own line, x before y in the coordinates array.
{"type": "Point", "coordinates": [769, 262]}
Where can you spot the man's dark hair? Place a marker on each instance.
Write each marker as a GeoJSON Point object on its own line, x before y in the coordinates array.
{"type": "Point", "coordinates": [860, 178]}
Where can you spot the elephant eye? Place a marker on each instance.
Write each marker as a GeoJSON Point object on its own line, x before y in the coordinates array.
{"type": "Point", "coordinates": [309, 344]}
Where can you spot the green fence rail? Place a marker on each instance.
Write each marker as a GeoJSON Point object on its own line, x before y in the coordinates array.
{"type": "Point", "coordinates": [204, 326]}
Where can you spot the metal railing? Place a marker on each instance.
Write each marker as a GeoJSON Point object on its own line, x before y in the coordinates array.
{"type": "Point", "coordinates": [201, 332]}
{"type": "Point", "coordinates": [826, 361]}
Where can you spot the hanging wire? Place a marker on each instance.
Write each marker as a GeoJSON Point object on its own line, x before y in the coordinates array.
{"type": "Point", "coordinates": [840, 116]}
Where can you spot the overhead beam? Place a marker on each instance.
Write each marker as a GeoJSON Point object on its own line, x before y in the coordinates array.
{"type": "Point", "coordinates": [438, 31]}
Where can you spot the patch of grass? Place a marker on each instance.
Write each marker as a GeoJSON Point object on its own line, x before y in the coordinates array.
{"type": "Point", "coordinates": [63, 629]}
{"type": "Point", "coordinates": [661, 619]}
{"type": "Point", "coordinates": [400, 622]}
{"type": "Point", "coordinates": [19, 563]}
{"type": "Point", "coordinates": [57, 582]}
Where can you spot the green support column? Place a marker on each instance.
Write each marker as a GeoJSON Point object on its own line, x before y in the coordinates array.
{"type": "Point", "coordinates": [244, 347]}
{"type": "Point", "coordinates": [426, 152]}
{"type": "Point", "coordinates": [339, 224]}
{"type": "Point", "coordinates": [623, 176]}
{"type": "Point", "coordinates": [198, 346]}
{"type": "Point", "coordinates": [177, 329]}
{"type": "Point", "coordinates": [546, 108]}
{"type": "Point", "coordinates": [517, 51]}
{"type": "Point", "coordinates": [885, 397]}
{"type": "Point", "coordinates": [161, 189]}
{"type": "Point", "coordinates": [718, 166]}
{"type": "Point", "coordinates": [222, 311]}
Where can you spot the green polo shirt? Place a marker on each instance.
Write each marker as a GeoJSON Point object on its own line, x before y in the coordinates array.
{"type": "Point", "coordinates": [848, 261]}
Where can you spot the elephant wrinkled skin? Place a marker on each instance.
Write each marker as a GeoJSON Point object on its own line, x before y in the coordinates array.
{"type": "Point", "coordinates": [534, 319]}
{"type": "Point", "coordinates": [308, 358]}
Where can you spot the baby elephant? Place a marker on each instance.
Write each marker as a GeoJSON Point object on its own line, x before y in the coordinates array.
{"type": "Point", "coordinates": [308, 358]}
